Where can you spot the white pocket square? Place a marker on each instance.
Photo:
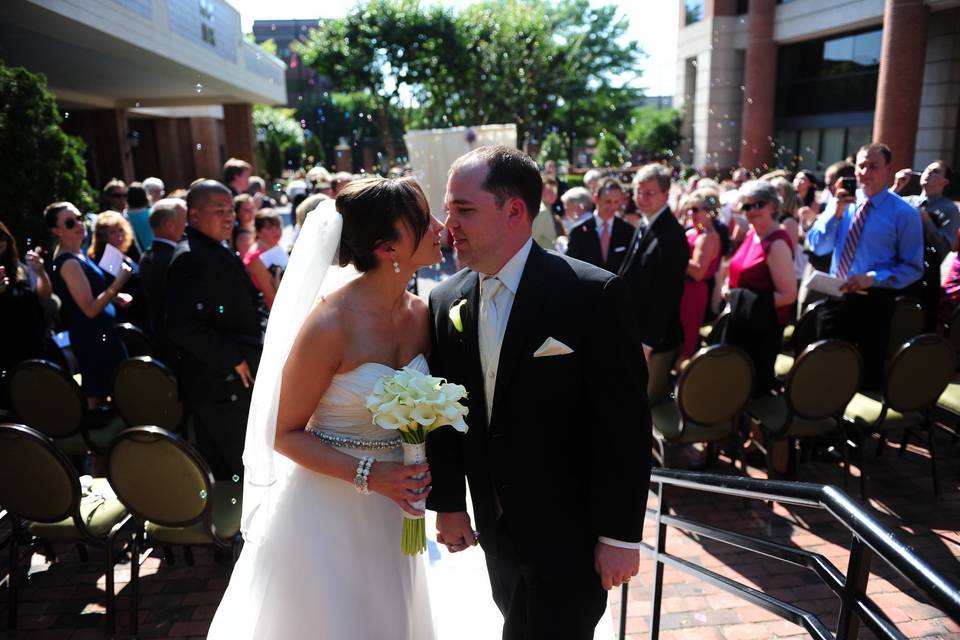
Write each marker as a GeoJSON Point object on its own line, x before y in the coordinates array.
{"type": "Point", "coordinates": [552, 347]}
{"type": "Point", "coordinates": [619, 249]}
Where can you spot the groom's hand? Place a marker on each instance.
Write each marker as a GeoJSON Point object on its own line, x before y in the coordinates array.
{"type": "Point", "coordinates": [615, 565]}
{"type": "Point", "coordinates": [455, 530]}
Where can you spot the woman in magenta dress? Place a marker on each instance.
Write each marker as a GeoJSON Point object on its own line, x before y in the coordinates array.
{"type": "Point", "coordinates": [269, 231]}
{"type": "Point", "coordinates": [698, 209]}
{"type": "Point", "coordinates": [763, 265]}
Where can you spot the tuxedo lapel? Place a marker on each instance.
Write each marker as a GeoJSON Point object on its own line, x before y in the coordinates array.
{"type": "Point", "coordinates": [473, 372]}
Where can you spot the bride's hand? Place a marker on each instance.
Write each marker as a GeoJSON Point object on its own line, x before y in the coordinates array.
{"type": "Point", "coordinates": [398, 482]}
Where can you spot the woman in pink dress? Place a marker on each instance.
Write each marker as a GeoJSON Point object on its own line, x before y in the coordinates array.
{"type": "Point", "coordinates": [269, 230]}
{"type": "Point", "coordinates": [698, 210]}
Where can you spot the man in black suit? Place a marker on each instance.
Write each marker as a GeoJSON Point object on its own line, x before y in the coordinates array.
{"type": "Point", "coordinates": [214, 318]}
{"type": "Point", "coordinates": [558, 451]}
{"type": "Point", "coordinates": [655, 267]}
{"type": "Point", "coordinates": [602, 240]}
{"type": "Point", "coordinates": [168, 219]}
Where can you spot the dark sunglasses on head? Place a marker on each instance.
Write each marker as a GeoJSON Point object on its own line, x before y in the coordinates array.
{"type": "Point", "coordinates": [72, 221]}
{"type": "Point", "coordinates": [747, 206]}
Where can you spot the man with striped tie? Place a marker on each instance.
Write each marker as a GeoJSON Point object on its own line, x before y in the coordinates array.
{"type": "Point", "coordinates": [876, 240]}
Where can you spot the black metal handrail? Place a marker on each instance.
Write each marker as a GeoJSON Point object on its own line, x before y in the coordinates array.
{"type": "Point", "coordinates": [869, 538]}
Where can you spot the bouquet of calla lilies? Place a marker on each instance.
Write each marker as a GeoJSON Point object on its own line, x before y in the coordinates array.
{"type": "Point", "coordinates": [414, 404]}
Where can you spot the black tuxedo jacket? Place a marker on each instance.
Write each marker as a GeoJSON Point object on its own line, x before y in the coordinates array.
{"type": "Point", "coordinates": [213, 317]}
{"type": "Point", "coordinates": [567, 446]}
{"type": "Point", "coordinates": [655, 268]}
{"type": "Point", "coordinates": [584, 243]}
{"type": "Point", "coordinates": [153, 281]}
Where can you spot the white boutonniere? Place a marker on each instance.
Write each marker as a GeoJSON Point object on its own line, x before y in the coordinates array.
{"type": "Point", "coordinates": [454, 315]}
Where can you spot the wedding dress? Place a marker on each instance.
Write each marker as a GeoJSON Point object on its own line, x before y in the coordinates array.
{"type": "Point", "coordinates": [328, 564]}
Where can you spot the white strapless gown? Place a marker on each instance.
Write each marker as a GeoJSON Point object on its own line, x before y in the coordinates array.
{"type": "Point", "coordinates": [329, 566]}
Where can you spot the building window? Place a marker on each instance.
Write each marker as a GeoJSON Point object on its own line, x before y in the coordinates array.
{"type": "Point", "coordinates": [693, 11]}
{"type": "Point", "coordinates": [829, 75]}
{"type": "Point", "coordinates": [815, 149]}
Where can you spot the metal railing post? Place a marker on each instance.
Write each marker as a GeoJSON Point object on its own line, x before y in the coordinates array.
{"type": "Point", "coordinates": [659, 547]}
{"type": "Point", "coordinates": [858, 573]}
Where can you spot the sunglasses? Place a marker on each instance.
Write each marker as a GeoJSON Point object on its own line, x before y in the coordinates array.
{"type": "Point", "coordinates": [72, 222]}
{"type": "Point", "coordinates": [698, 210]}
{"type": "Point", "coordinates": [749, 206]}
{"type": "Point", "coordinates": [116, 194]}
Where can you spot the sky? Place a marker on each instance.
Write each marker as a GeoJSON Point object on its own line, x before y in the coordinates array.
{"type": "Point", "coordinates": [653, 23]}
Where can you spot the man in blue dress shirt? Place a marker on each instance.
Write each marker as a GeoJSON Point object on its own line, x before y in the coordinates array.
{"type": "Point", "coordinates": [876, 240]}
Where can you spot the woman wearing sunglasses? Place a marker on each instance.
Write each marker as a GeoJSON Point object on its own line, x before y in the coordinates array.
{"type": "Point", "coordinates": [87, 302]}
{"type": "Point", "coordinates": [763, 272]}
{"type": "Point", "coordinates": [697, 210]}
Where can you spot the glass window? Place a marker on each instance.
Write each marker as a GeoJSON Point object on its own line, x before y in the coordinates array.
{"type": "Point", "coordinates": [831, 146]}
{"type": "Point", "coordinates": [856, 138]}
{"type": "Point", "coordinates": [809, 150]}
{"type": "Point", "coordinates": [693, 11]}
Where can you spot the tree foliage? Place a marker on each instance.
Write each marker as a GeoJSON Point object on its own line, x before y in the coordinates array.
{"type": "Point", "coordinates": [280, 138]}
{"type": "Point", "coordinates": [655, 131]}
{"type": "Point", "coordinates": [545, 65]}
{"type": "Point", "coordinates": [553, 147]}
{"type": "Point", "coordinates": [610, 152]}
{"type": "Point", "coordinates": [39, 163]}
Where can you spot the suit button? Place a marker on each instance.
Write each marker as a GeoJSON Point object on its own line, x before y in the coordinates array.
{"type": "Point", "coordinates": [492, 375]}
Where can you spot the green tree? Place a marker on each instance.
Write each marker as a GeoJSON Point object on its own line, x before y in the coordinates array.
{"type": "Point", "coordinates": [655, 131]}
{"type": "Point", "coordinates": [280, 138]}
{"type": "Point", "coordinates": [610, 152]}
{"type": "Point", "coordinates": [553, 147]}
{"type": "Point", "coordinates": [39, 163]}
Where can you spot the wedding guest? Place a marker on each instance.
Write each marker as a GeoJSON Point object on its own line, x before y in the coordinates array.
{"type": "Point", "coordinates": [88, 302]}
{"type": "Point", "coordinates": [22, 320]}
{"type": "Point", "coordinates": [214, 321]}
{"type": "Point", "coordinates": [113, 196]}
{"type": "Point", "coordinates": [550, 171]}
{"type": "Point", "coordinates": [155, 189]}
{"type": "Point", "coordinates": [269, 231]}
{"type": "Point", "coordinates": [941, 221]}
{"type": "Point", "coordinates": [308, 205]}
{"type": "Point", "coordinates": [655, 268]}
{"type": "Point", "coordinates": [602, 239]}
{"type": "Point", "coordinates": [340, 180]}
{"type": "Point", "coordinates": [875, 240]}
{"type": "Point", "coordinates": [168, 218]}
{"type": "Point", "coordinates": [591, 180]}
{"type": "Point", "coordinates": [699, 209]}
{"type": "Point", "coordinates": [241, 240]}
{"type": "Point", "coordinates": [245, 208]}
{"type": "Point", "coordinates": [762, 283]}
{"type": "Point", "coordinates": [577, 207]}
{"type": "Point", "coordinates": [257, 188]}
{"type": "Point", "coordinates": [236, 175]}
{"type": "Point", "coordinates": [544, 226]}
{"type": "Point", "coordinates": [137, 214]}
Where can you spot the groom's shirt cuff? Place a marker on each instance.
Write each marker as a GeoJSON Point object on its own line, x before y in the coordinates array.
{"type": "Point", "coordinates": [619, 543]}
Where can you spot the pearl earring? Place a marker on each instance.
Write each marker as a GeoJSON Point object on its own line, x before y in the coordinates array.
{"type": "Point", "coordinates": [396, 267]}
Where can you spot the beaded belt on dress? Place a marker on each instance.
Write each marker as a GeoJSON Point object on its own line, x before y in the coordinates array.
{"type": "Point", "coordinates": [349, 442]}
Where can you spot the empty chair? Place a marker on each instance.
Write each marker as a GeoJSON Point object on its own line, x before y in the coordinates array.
{"type": "Point", "coordinates": [171, 493]}
{"type": "Point", "coordinates": [46, 398]}
{"type": "Point", "coordinates": [135, 340]}
{"type": "Point", "coordinates": [818, 388]}
{"type": "Point", "coordinates": [905, 323]}
{"type": "Point", "coordinates": [916, 377]}
{"type": "Point", "coordinates": [710, 397]}
{"type": "Point", "coordinates": [804, 333]}
{"type": "Point", "coordinates": [145, 393]}
{"type": "Point", "coordinates": [710, 333]}
{"type": "Point", "coordinates": [40, 487]}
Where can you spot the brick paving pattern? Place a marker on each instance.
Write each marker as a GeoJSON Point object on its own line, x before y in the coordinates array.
{"type": "Point", "coordinates": [65, 600]}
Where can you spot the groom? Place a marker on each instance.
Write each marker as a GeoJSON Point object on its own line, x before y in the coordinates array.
{"type": "Point", "coordinates": [558, 451]}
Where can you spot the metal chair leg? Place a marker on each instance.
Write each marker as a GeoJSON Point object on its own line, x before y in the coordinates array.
{"type": "Point", "coordinates": [14, 571]}
{"type": "Point", "coordinates": [135, 578]}
{"type": "Point", "coordinates": [881, 444]}
{"type": "Point", "coordinates": [904, 441]}
{"type": "Point", "coordinates": [933, 459]}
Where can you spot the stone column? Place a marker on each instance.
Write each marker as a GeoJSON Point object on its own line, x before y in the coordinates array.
{"type": "Point", "coordinates": [111, 144]}
{"type": "Point", "coordinates": [238, 132]}
{"type": "Point", "coordinates": [902, 57]}
{"type": "Point", "coordinates": [761, 84]}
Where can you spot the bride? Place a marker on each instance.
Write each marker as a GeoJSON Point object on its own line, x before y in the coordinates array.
{"type": "Point", "coordinates": [322, 557]}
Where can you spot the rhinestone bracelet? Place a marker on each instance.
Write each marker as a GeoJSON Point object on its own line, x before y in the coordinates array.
{"type": "Point", "coordinates": [361, 480]}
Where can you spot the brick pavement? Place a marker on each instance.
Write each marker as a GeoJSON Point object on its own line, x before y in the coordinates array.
{"type": "Point", "coordinates": [65, 600]}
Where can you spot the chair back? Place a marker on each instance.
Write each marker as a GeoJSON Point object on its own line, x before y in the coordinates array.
{"type": "Point", "coordinates": [715, 386]}
{"type": "Point", "coordinates": [37, 482]}
{"type": "Point", "coordinates": [718, 327]}
{"type": "Point", "coordinates": [805, 331]}
{"type": "Point", "coordinates": [159, 477]}
{"type": "Point", "coordinates": [953, 331]}
{"type": "Point", "coordinates": [918, 373]}
{"type": "Point", "coordinates": [824, 379]}
{"type": "Point", "coordinates": [906, 322]}
{"type": "Point", "coordinates": [145, 393]}
{"type": "Point", "coordinates": [44, 397]}
{"type": "Point", "coordinates": [135, 340]}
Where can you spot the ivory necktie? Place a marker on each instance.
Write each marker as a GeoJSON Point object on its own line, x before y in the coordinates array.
{"type": "Point", "coordinates": [489, 337]}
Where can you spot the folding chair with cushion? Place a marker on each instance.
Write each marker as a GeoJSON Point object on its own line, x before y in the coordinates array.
{"type": "Point", "coordinates": [710, 397]}
{"type": "Point", "coordinates": [39, 486]}
{"type": "Point", "coordinates": [953, 331]}
{"type": "Point", "coordinates": [916, 377]}
{"type": "Point", "coordinates": [906, 322]}
{"type": "Point", "coordinates": [817, 390]}
{"type": "Point", "coordinates": [804, 334]}
{"type": "Point", "coordinates": [46, 398]}
{"type": "Point", "coordinates": [172, 495]}
{"type": "Point", "coordinates": [145, 393]}
{"type": "Point", "coordinates": [135, 340]}
{"type": "Point", "coordinates": [710, 333]}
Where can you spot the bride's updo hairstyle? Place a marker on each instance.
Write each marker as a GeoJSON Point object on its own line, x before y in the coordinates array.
{"type": "Point", "coordinates": [371, 208]}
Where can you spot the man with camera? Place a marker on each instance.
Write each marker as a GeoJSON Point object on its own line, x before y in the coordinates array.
{"type": "Point", "coordinates": [876, 242]}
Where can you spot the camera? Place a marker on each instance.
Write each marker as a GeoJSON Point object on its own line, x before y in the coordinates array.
{"type": "Point", "coordinates": [849, 185]}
